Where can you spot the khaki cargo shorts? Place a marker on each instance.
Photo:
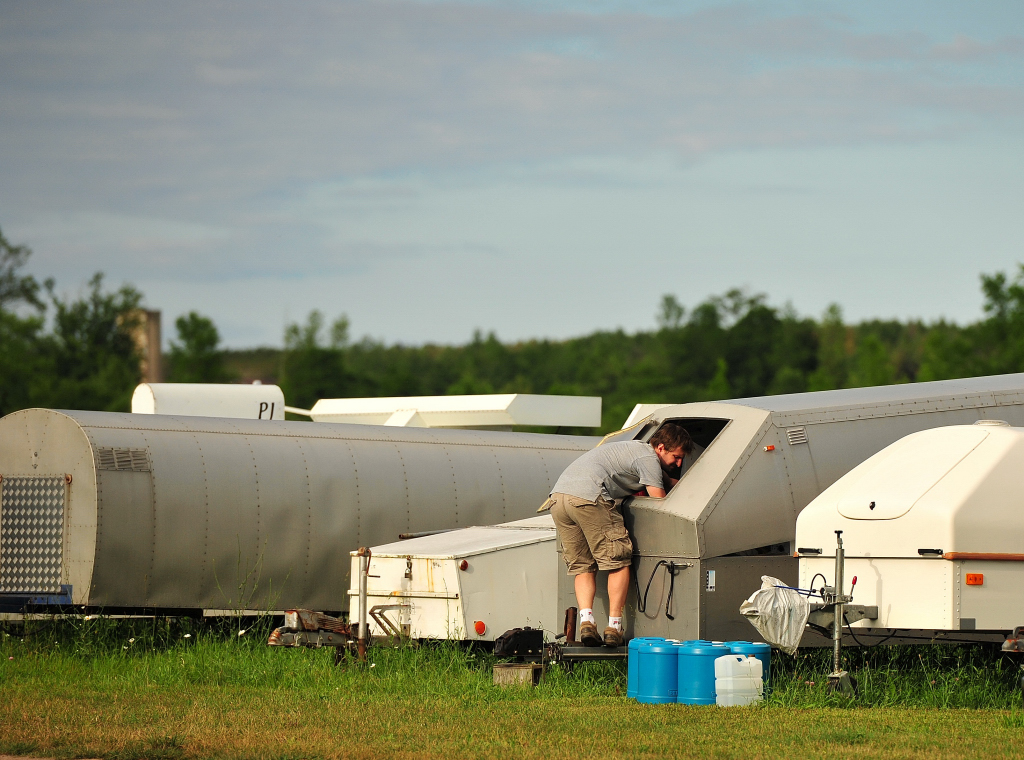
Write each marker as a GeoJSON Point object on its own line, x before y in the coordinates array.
{"type": "Point", "coordinates": [592, 535]}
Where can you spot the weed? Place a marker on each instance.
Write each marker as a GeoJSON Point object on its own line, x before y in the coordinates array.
{"type": "Point", "coordinates": [942, 675]}
{"type": "Point", "coordinates": [1013, 720]}
{"type": "Point", "coordinates": [18, 748]}
{"type": "Point", "coordinates": [845, 736]}
{"type": "Point", "coordinates": [162, 748]}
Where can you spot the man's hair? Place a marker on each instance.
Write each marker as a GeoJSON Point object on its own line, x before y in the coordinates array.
{"type": "Point", "coordinates": [672, 436]}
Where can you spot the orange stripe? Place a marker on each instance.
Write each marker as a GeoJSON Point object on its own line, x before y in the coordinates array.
{"type": "Point", "coordinates": [989, 556]}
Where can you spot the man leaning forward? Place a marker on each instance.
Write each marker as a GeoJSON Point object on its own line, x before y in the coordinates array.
{"type": "Point", "coordinates": [586, 504]}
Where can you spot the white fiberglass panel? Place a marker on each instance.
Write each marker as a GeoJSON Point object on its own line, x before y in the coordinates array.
{"type": "Point", "coordinates": [466, 542]}
{"type": "Point", "coordinates": [888, 484]}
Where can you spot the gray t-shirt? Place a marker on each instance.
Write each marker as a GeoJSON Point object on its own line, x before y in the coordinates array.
{"type": "Point", "coordinates": [614, 471]}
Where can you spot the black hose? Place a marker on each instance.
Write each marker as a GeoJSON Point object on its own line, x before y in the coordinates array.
{"type": "Point", "coordinates": [849, 629]}
{"type": "Point", "coordinates": [673, 568]}
{"type": "Point", "coordinates": [641, 601]}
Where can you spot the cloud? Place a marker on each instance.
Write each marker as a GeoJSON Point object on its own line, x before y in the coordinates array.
{"type": "Point", "coordinates": [235, 98]}
{"type": "Point", "coordinates": [965, 48]}
{"type": "Point", "coordinates": [222, 142]}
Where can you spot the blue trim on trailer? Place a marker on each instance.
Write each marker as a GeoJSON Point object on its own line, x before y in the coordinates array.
{"type": "Point", "coordinates": [18, 602]}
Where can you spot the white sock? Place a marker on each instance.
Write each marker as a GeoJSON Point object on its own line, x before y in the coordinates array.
{"type": "Point", "coordinates": [587, 615]}
{"type": "Point", "coordinates": [615, 622]}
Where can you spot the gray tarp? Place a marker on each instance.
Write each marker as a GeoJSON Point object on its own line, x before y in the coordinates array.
{"type": "Point", "coordinates": [778, 613]}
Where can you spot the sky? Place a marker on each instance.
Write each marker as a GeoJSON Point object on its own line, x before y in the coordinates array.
{"type": "Point", "coordinates": [540, 170]}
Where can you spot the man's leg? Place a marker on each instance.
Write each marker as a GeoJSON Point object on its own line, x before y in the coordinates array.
{"type": "Point", "coordinates": [586, 589]}
{"type": "Point", "coordinates": [579, 561]}
{"type": "Point", "coordinates": [618, 587]}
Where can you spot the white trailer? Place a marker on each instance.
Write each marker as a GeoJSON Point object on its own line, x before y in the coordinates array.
{"type": "Point", "coordinates": [933, 529]}
{"type": "Point", "coordinates": [471, 584]}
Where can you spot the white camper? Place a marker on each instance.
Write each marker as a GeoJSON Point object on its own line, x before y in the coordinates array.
{"type": "Point", "coordinates": [473, 583]}
{"type": "Point", "coordinates": [933, 529]}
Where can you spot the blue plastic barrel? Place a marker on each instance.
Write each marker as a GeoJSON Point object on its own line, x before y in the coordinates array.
{"type": "Point", "coordinates": [633, 661]}
{"type": "Point", "coordinates": [695, 679]}
{"type": "Point", "coordinates": [657, 672]}
{"type": "Point", "coordinates": [761, 651]}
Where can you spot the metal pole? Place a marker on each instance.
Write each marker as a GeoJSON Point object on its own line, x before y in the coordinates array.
{"type": "Point", "coordinates": [837, 624]}
{"type": "Point", "coordinates": [364, 571]}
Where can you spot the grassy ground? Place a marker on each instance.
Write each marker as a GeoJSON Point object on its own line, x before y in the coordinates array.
{"type": "Point", "coordinates": [120, 691]}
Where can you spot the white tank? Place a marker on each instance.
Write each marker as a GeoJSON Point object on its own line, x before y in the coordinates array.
{"type": "Point", "coordinates": [225, 400]}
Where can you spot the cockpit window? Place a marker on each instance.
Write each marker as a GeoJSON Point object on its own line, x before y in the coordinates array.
{"type": "Point", "coordinates": [703, 431]}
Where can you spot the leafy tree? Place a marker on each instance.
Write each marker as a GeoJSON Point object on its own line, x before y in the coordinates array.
{"type": "Point", "coordinates": [195, 356]}
{"type": "Point", "coordinates": [671, 313]}
{"type": "Point", "coordinates": [949, 352]}
{"type": "Point", "coordinates": [16, 288]}
{"type": "Point", "coordinates": [734, 344]}
{"type": "Point", "coordinates": [309, 369]}
{"type": "Point", "coordinates": [1001, 336]}
{"type": "Point", "coordinates": [719, 387]}
{"type": "Point", "coordinates": [95, 359]}
{"type": "Point", "coordinates": [835, 344]}
{"type": "Point", "coordinates": [24, 367]}
{"type": "Point", "coordinates": [23, 363]}
{"type": "Point", "coordinates": [871, 364]}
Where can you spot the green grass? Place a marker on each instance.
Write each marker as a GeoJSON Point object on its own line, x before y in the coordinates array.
{"type": "Point", "coordinates": [975, 677]}
{"type": "Point", "coordinates": [130, 690]}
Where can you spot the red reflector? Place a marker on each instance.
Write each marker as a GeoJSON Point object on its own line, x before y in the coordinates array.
{"type": "Point", "coordinates": [975, 579]}
{"type": "Point", "coordinates": [479, 627]}
{"type": "Point", "coordinates": [463, 565]}
{"type": "Point", "coordinates": [770, 447]}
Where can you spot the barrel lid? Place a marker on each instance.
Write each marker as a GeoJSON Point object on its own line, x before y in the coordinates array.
{"type": "Point", "coordinates": [637, 641]}
{"type": "Point", "coordinates": [659, 647]}
{"type": "Point", "coordinates": [749, 646]}
{"type": "Point", "coordinates": [705, 648]}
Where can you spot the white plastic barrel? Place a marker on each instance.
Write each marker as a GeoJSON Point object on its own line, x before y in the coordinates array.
{"type": "Point", "coordinates": [738, 680]}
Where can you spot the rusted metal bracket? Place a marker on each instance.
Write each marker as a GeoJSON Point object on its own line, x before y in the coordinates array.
{"type": "Point", "coordinates": [305, 628]}
{"type": "Point", "coordinates": [377, 612]}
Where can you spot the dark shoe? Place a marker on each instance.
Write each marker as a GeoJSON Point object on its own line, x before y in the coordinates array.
{"type": "Point", "coordinates": [612, 637]}
{"type": "Point", "coordinates": [589, 636]}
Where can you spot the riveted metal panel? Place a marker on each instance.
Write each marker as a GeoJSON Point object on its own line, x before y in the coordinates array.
{"type": "Point", "coordinates": [192, 512]}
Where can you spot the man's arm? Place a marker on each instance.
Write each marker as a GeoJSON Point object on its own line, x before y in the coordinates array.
{"type": "Point", "coordinates": [649, 472]}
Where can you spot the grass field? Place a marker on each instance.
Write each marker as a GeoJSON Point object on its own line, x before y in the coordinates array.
{"type": "Point", "coordinates": [145, 690]}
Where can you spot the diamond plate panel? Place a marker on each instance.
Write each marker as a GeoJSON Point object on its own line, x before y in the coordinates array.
{"type": "Point", "coordinates": [31, 533]}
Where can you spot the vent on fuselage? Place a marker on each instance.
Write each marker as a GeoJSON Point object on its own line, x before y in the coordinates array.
{"type": "Point", "coordinates": [796, 435]}
{"type": "Point", "coordinates": [129, 460]}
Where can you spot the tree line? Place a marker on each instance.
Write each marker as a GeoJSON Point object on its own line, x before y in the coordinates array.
{"type": "Point", "coordinates": [79, 353]}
